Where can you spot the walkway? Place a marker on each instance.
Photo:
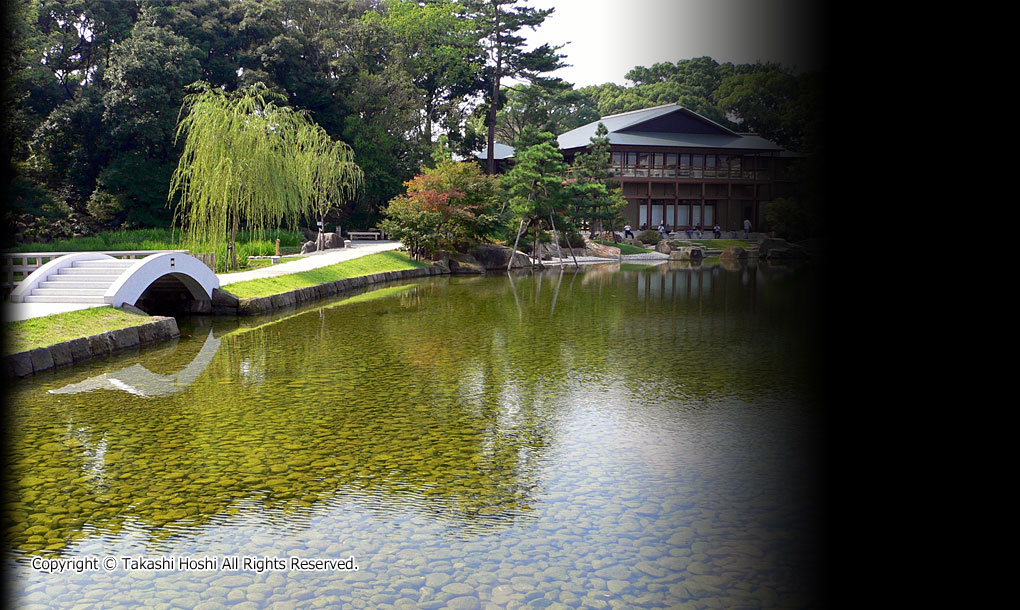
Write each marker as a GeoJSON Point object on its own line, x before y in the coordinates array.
{"type": "Point", "coordinates": [22, 311]}
{"type": "Point", "coordinates": [314, 260]}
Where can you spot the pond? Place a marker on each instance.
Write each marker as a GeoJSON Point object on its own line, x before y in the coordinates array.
{"type": "Point", "coordinates": [608, 437]}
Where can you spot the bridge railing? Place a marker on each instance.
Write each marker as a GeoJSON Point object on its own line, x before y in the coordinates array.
{"type": "Point", "coordinates": [16, 266]}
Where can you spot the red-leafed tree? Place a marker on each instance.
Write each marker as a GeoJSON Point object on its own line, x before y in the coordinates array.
{"type": "Point", "coordinates": [449, 207]}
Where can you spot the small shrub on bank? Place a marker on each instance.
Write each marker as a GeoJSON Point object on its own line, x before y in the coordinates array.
{"type": "Point", "coordinates": [573, 239]}
{"type": "Point", "coordinates": [649, 237]}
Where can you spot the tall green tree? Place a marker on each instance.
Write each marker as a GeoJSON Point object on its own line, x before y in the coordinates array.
{"type": "Point", "coordinates": [214, 28]}
{"type": "Point", "coordinates": [499, 23]}
{"type": "Point", "coordinates": [75, 37]}
{"type": "Point", "coordinates": [776, 104]}
{"type": "Point", "coordinates": [325, 171]}
{"type": "Point", "coordinates": [145, 83]}
{"type": "Point", "coordinates": [556, 109]}
{"type": "Point", "coordinates": [438, 48]}
{"type": "Point", "coordinates": [692, 83]}
{"type": "Point", "coordinates": [337, 60]}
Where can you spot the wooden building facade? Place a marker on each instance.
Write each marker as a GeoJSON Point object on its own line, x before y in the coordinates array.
{"type": "Point", "coordinates": [678, 168]}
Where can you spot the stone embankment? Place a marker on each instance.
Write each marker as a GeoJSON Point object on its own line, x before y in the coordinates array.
{"type": "Point", "coordinates": [224, 303]}
{"type": "Point", "coordinates": [159, 328]}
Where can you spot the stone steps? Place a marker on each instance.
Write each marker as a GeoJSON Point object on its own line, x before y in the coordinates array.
{"type": "Point", "coordinates": [91, 271]}
{"type": "Point", "coordinates": [82, 282]}
{"type": "Point", "coordinates": [79, 281]}
{"type": "Point", "coordinates": [33, 298]}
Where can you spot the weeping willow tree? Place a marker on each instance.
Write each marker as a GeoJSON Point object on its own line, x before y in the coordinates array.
{"type": "Point", "coordinates": [251, 162]}
{"type": "Point", "coordinates": [326, 173]}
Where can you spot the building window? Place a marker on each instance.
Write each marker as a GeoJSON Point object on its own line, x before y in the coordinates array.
{"type": "Point", "coordinates": [685, 166]}
{"type": "Point", "coordinates": [657, 209]}
{"type": "Point", "coordinates": [630, 164]}
{"type": "Point", "coordinates": [710, 166]}
{"type": "Point", "coordinates": [642, 165]}
{"type": "Point", "coordinates": [658, 163]}
{"type": "Point", "coordinates": [709, 214]}
{"type": "Point", "coordinates": [670, 165]}
{"type": "Point", "coordinates": [698, 166]}
{"type": "Point", "coordinates": [683, 214]}
{"type": "Point", "coordinates": [748, 168]}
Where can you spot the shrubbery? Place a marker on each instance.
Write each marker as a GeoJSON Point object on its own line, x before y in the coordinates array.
{"type": "Point", "coordinates": [449, 207]}
{"type": "Point", "coordinates": [573, 238]}
{"type": "Point", "coordinates": [649, 237]}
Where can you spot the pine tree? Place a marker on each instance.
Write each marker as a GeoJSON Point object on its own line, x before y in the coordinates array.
{"type": "Point", "coordinates": [538, 195]}
{"type": "Point", "coordinates": [498, 23]}
{"type": "Point", "coordinates": [595, 199]}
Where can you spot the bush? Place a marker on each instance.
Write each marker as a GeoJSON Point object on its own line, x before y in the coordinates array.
{"type": "Point", "coordinates": [25, 196]}
{"type": "Point", "coordinates": [649, 237]}
{"type": "Point", "coordinates": [452, 206]}
{"type": "Point", "coordinates": [573, 239]}
{"type": "Point", "coordinates": [105, 208]}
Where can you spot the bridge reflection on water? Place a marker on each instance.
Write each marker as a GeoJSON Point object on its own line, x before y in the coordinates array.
{"type": "Point", "coordinates": [140, 381]}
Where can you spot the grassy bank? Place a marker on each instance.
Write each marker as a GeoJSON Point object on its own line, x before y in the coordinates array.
{"type": "Point", "coordinates": [29, 334]}
{"type": "Point", "coordinates": [365, 265]}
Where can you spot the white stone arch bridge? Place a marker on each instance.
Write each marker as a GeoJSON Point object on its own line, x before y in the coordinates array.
{"type": "Point", "coordinates": [158, 282]}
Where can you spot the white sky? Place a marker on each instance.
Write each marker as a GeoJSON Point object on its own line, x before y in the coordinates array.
{"type": "Point", "coordinates": [605, 39]}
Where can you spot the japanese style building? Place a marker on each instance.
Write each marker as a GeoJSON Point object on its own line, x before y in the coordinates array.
{"type": "Point", "coordinates": [679, 168]}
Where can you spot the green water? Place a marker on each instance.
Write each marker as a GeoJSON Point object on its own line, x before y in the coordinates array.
{"type": "Point", "coordinates": [644, 437]}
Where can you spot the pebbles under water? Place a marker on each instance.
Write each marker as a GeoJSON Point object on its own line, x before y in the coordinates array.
{"type": "Point", "coordinates": [638, 438]}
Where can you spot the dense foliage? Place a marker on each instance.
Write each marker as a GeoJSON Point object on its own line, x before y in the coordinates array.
{"type": "Point", "coordinates": [93, 93]}
{"type": "Point", "coordinates": [449, 207]}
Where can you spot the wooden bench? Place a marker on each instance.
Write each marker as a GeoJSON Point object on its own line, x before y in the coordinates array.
{"type": "Point", "coordinates": [376, 235]}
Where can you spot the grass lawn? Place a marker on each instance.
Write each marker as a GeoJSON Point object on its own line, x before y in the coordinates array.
{"type": "Point", "coordinates": [366, 265]}
{"type": "Point", "coordinates": [24, 335]}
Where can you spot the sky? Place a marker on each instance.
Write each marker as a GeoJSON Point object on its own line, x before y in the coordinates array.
{"type": "Point", "coordinates": [605, 39]}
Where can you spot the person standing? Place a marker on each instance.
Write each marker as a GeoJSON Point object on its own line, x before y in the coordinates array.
{"type": "Point", "coordinates": [747, 228]}
{"type": "Point", "coordinates": [626, 232]}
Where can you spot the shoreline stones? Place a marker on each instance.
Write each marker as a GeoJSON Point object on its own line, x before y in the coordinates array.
{"type": "Point", "coordinates": [494, 257]}
{"type": "Point", "coordinates": [21, 364]}
{"type": "Point", "coordinates": [733, 253]}
{"type": "Point", "coordinates": [687, 253]}
{"type": "Point", "coordinates": [261, 305]}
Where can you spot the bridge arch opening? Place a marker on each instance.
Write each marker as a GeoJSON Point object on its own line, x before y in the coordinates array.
{"type": "Point", "coordinates": [173, 294]}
